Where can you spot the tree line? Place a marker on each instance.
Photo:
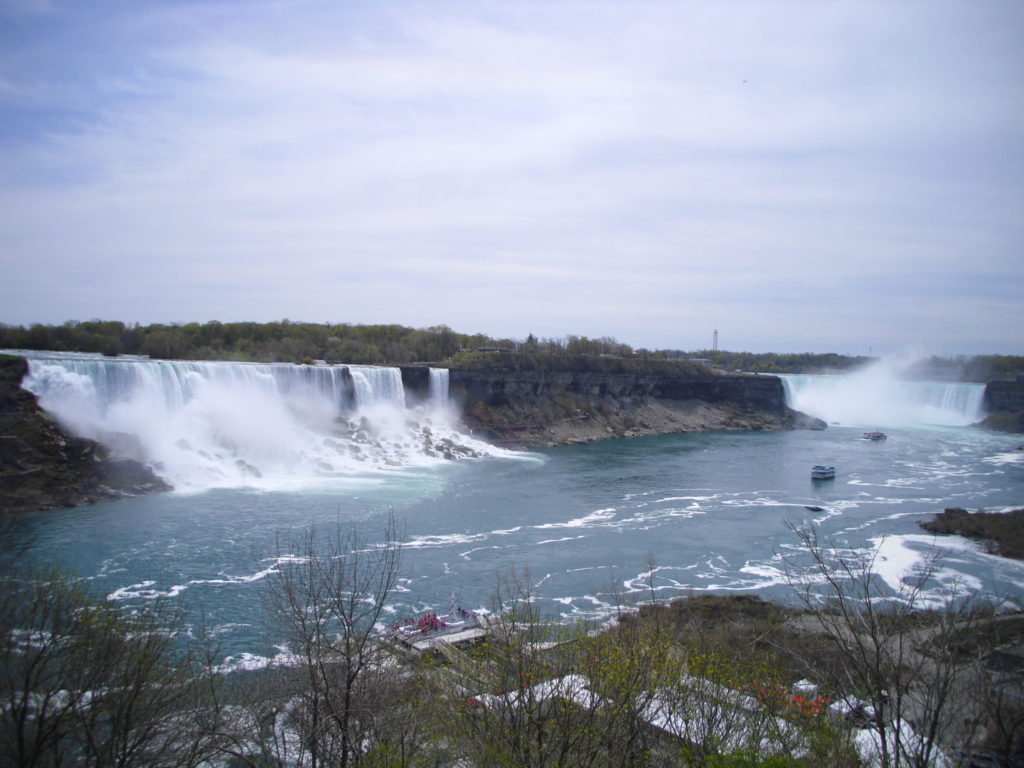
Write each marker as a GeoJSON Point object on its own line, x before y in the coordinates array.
{"type": "Point", "coordinates": [698, 683]}
{"type": "Point", "coordinates": [975, 368]}
{"type": "Point", "coordinates": [776, 362]}
{"type": "Point", "coordinates": [286, 341]}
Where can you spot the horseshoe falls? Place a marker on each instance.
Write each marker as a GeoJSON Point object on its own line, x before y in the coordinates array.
{"type": "Point", "coordinates": [878, 396]}
{"type": "Point", "coordinates": [204, 425]}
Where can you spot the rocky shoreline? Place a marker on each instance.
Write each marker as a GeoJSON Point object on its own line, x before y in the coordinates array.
{"type": "Point", "coordinates": [1002, 533]}
{"type": "Point", "coordinates": [529, 427]}
{"type": "Point", "coordinates": [44, 467]}
{"type": "Point", "coordinates": [1011, 423]}
{"type": "Point", "coordinates": [577, 402]}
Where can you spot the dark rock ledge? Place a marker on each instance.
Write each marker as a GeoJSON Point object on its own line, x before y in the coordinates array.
{"type": "Point", "coordinates": [564, 407]}
{"type": "Point", "coordinates": [1002, 533]}
{"type": "Point", "coordinates": [43, 467]}
{"type": "Point", "coordinates": [1004, 402]}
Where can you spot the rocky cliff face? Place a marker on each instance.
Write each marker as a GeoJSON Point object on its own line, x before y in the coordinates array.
{"type": "Point", "coordinates": [552, 407]}
{"type": "Point", "coordinates": [1004, 400]}
{"type": "Point", "coordinates": [1004, 396]}
{"type": "Point", "coordinates": [44, 467]}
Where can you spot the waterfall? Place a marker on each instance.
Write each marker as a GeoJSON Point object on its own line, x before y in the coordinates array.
{"type": "Point", "coordinates": [878, 396]}
{"type": "Point", "coordinates": [175, 382]}
{"type": "Point", "coordinates": [271, 426]}
{"type": "Point", "coordinates": [438, 392]}
{"type": "Point", "coordinates": [374, 384]}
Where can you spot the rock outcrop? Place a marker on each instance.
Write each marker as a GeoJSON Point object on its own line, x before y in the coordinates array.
{"type": "Point", "coordinates": [1004, 396]}
{"type": "Point", "coordinates": [44, 467]}
{"type": "Point", "coordinates": [1004, 401]}
{"type": "Point", "coordinates": [546, 407]}
{"type": "Point", "coordinates": [1001, 532]}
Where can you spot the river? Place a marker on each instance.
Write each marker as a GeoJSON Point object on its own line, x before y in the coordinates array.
{"type": "Point", "coordinates": [584, 526]}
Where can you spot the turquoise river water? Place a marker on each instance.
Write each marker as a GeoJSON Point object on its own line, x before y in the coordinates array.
{"type": "Point", "coordinates": [710, 511]}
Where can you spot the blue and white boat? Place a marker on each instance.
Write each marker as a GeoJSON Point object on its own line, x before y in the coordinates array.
{"type": "Point", "coordinates": [822, 472]}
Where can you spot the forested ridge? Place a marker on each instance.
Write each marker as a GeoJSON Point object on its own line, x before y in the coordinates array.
{"type": "Point", "coordinates": [298, 342]}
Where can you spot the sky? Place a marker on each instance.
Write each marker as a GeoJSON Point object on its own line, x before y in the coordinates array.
{"type": "Point", "coordinates": [801, 175]}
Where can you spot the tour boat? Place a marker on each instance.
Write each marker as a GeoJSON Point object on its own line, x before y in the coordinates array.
{"type": "Point", "coordinates": [874, 436]}
{"type": "Point", "coordinates": [821, 472]}
{"type": "Point", "coordinates": [453, 627]}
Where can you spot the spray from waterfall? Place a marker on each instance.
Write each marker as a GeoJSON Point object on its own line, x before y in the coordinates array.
{"type": "Point", "coordinates": [883, 395]}
{"type": "Point", "coordinates": [269, 426]}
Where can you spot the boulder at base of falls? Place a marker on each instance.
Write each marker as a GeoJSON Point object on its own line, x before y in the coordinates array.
{"type": "Point", "coordinates": [42, 466]}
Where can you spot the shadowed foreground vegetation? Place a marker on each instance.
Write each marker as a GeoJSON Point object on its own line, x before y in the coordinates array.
{"type": "Point", "coordinates": [706, 682]}
{"type": "Point", "coordinates": [287, 341]}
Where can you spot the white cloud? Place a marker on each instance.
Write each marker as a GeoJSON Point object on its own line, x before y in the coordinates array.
{"type": "Point", "coordinates": [613, 168]}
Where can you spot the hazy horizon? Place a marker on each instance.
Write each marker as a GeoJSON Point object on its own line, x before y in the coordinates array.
{"type": "Point", "coordinates": [843, 177]}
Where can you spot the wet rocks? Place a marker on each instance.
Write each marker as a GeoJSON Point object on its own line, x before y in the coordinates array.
{"type": "Point", "coordinates": [42, 466]}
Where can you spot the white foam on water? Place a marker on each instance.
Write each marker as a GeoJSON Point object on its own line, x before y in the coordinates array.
{"type": "Point", "coordinates": [143, 590]}
{"type": "Point", "coordinates": [251, 662]}
{"type": "Point", "coordinates": [1003, 510]}
{"type": "Point", "coordinates": [757, 501]}
{"type": "Point", "coordinates": [1010, 458]}
{"type": "Point", "coordinates": [711, 495]}
{"type": "Point", "coordinates": [900, 560]}
{"type": "Point", "coordinates": [466, 555]}
{"type": "Point", "coordinates": [557, 541]}
{"type": "Point", "coordinates": [443, 540]}
{"type": "Point", "coordinates": [582, 522]}
{"type": "Point", "coordinates": [769, 575]}
{"type": "Point", "coordinates": [687, 498]}
{"type": "Point", "coordinates": [894, 559]}
{"type": "Point", "coordinates": [657, 580]}
{"type": "Point", "coordinates": [247, 579]}
{"type": "Point", "coordinates": [647, 519]}
{"type": "Point", "coordinates": [894, 482]}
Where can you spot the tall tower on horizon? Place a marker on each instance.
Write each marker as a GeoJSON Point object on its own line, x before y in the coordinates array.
{"type": "Point", "coordinates": [714, 341]}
